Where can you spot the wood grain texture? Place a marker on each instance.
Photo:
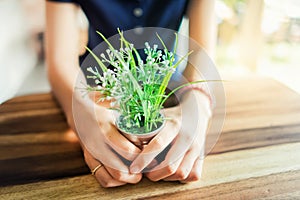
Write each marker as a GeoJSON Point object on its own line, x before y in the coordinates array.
{"type": "Point", "coordinates": [256, 155]}
{"type": "Point", "coordinates": [36, 142]}
{"type": "Point", "coordinates": [237, 172]}
{"type": "Point", "coordinates": [252, 188]}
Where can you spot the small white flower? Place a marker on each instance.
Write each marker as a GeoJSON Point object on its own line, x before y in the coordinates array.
{"type": "Point", "coordinates": [90, 69]}
{"type": "Point", "coordinates": [147, 45]}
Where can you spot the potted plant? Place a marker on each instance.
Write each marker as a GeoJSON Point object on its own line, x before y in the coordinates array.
{"type": "Point", "coordinates": [135, 87]}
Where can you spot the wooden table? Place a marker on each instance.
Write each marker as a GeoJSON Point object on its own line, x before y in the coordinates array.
{"type": "Point", "coordinates": [257, 154]}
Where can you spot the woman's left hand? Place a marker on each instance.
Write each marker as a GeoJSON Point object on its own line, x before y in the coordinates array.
{"type": "Point", "coordinates": [185, 131]}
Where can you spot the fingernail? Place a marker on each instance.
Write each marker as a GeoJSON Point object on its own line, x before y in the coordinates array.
{"type": "Point", "coordinates": [134, 169]}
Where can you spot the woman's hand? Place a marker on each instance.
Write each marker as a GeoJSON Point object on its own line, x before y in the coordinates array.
{"type": "Point", "coordinates": [186, 133]}
{"type": "Point", "coordinates": [103, 144]}
{"type": "Point", "coordinates": [93, 124]}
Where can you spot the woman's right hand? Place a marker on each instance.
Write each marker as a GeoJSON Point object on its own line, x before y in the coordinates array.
{"type": "Point", "coordinates": [103, 144]}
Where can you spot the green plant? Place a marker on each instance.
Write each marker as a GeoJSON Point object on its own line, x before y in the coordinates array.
{"type": "Point", "coordinates": [135, 87]}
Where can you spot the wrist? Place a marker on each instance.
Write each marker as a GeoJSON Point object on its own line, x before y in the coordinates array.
{"type": "Point", "coordinates": [196, 99]}
{"type": "Point", "coordinates": [197, 89]}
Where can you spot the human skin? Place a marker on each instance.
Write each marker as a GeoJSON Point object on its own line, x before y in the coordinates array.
{"type": "Point", "coordinates": [62, 51]}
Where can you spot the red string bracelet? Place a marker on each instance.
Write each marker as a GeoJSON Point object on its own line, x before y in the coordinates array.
{"type": "Point", "coordinates": [183, 90]}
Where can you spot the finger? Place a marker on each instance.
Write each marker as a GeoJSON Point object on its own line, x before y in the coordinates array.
{"type": "Point", "coordinates": [123, 176]}
{"type": "Point", "coordinates": [113, 137]}
{"type": "Point", "coordinates": [188, 161]}
{"type": "Point", "coordinates": [184, 168]}
{"type": "Point", "coordinates": [161, 173]}
{"type": "Point", "coordinates": [156, 146]}
{"type": "Point", "coordinates": [196, 172]}
{"type": "Point", "coordinates": [105, 179]}
{"type": "Point", "coordinates": [101, 175]}
{"type": "Point", "coordinates": [120, 144]}
{"type": "Point", "coordinates": [114, 165]}
{"type": "Point", "coordinates": [153, 163]}
{"type": "Point", "coordinates": [192, 140]}
{"type": "Point", "coordinates": [169, 166]}
{"type": "Point", "coordinates": [178, 148]}
{"type": "Point", "coordinates": [102, 131]}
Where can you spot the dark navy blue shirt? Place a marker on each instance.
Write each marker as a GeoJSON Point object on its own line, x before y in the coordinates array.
{"type": "Point", "coordinates": [108, 15]}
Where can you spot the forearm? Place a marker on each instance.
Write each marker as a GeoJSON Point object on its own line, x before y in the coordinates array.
{"type": "Point", "coordinates": [62, 52]}
{"type": "Point", "coordinates": [202, 25]}
{"type": "Point", "coordinates": [63, 85]}
{"type": "Point", "coordinates": [202, 32]}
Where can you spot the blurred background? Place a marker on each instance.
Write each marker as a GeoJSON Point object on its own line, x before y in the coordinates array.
{"type": "Point", "coordinates": [254, 37]}
{"type": "Point", "coordinates": [260, 37]}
